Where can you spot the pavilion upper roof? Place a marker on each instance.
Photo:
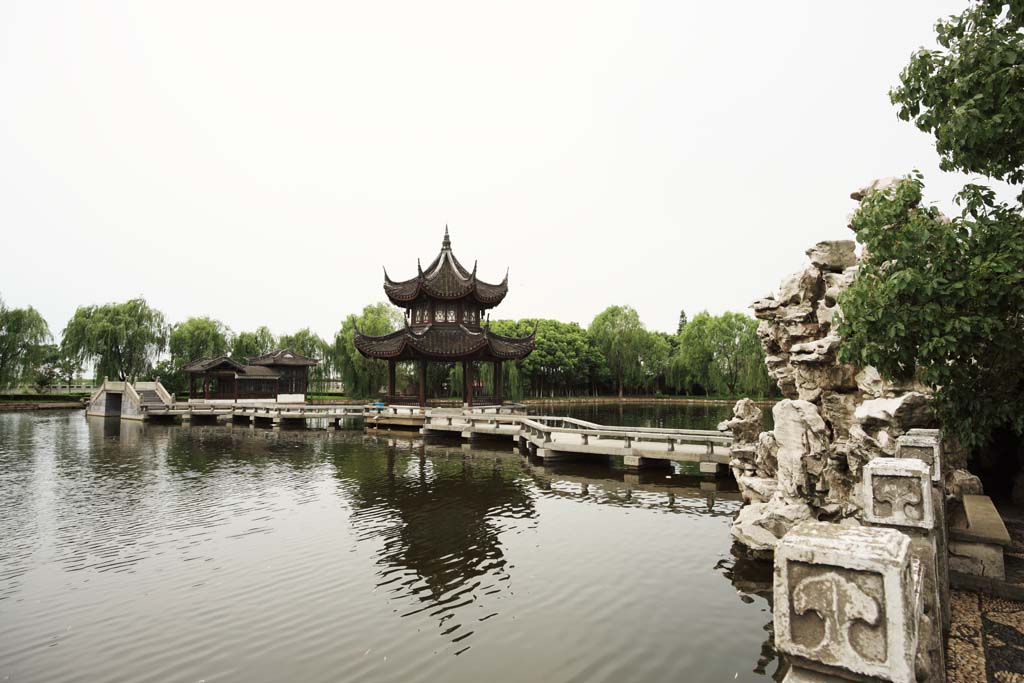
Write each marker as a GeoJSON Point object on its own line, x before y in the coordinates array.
{"type": "Point", "coordinates": [445, 278]}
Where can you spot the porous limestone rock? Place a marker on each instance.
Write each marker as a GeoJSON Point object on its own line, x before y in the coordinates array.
{"type": "Point", "coordinates": [960, 483]}
{"type": "Point", "coordinates": [833, 255]}
{"type": "Point", "coordinates": [881, 184]}
{"type": "Point", "coordinates": [759, 526]}
{"type": "Point", "coordinates": [836, 417]}
{"type": "Point", "coordinates": [757, 489]}
{"type": "Point", "coordinates": [746, 422]}
{"type": "Point", "coordinates": [902, 413]}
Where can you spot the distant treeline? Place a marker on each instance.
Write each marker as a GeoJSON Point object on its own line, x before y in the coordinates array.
{"type": "Point", "coordinates": [615, 354]}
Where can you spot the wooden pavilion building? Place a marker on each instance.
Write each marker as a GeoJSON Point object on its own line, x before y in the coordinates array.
{"type": "Point", "coordinates": [445, 306]}
{"type": "Point", "coordinates": [280, 375]}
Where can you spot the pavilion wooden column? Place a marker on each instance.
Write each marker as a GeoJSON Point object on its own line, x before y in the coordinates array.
{"type": "Point", "coordinates": [423, 383]}
{"type": "Point", "coordinates": [499, 384]}
{"type": "Point", "coordinates": [391, 380]}
{"type": "Point", "coordinates": [469, 383]}
{"type": "Point", "coordinates": [206, 387]}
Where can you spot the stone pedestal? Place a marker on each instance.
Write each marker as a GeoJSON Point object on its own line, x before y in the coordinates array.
{"type": "Point", "coordinates": [848, 602]}
{"type": "Point", "coordinates": [898, 493]}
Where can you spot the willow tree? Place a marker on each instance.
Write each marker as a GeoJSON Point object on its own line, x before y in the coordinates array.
{"type": "Point", "coordinates": [23, 338]}
{"type": "Point", "coordinates": [307, 343]}
{"type": "Point", "coordinates": [198, 338]}
{"type": "Point", "coordinates": [122, 340]}
{"type": "Point", "coordinates": [364, 376]}
{"type": "Point", "coordinates": [251, 344]}
{"type": "Point", "coordinates": [621, 338]}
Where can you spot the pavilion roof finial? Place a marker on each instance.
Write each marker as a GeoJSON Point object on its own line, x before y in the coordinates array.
{"type": "Point", "coordinates": [447, 242]}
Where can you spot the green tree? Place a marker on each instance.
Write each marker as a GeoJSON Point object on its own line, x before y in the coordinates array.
{"type": "Point", "coordinates": [970, 93]}
{"type": "Point", "coordinates": [655, 355]}
{"type": "Point", "coordinates": [122, 339]}
{"type": "Point", "coordinates": [251, 344]}
{"type": "Point", "coordinates": [54, 366]}
{"type": "Point", "coordinates": [620, 337]}
{"type": "Point", "coordinates": [682, 322]}
{"type": "Point", "coordinates": [198, 338]}
{"type": "Point", "coordinates": [942, 300]}
{"type": "Point", "coordinates": [23, 336]}
{"type": "Point", "coordinates": [363, 377]}
{"type": "Point", "coordinates": [720, 354]}
{"type": "Point", "coordinates": [307, 343]}
{"type": "Point", "coordinates": [736, 350]}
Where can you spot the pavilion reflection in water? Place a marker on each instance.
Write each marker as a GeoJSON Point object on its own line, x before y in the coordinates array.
{"type": "Point", "coordinates": [441, 517]}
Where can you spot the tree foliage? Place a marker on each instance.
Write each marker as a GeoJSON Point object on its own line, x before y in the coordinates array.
{"type": "Point", "coordinates": [198, 338]}
{"type": "Point", "coordinates": [123, 340]}
{"type": "Point", "coordinates": [564, 362]}
{"type": "Point", "coordinates": [307, 343]}
{"type": "Point", "coordinates": [621, 338]}
{"type": "Point", "coordinates": [943, 300]}
{"type": "Point", "coordinates": [970, 93]}
{"type": "Point", "coordinates": [23, 338]}
{"type": "Point", "coordinates": [721, 355]}
{"type": "Point", "coordinates": [364, 377]}
{"type": "Point", "coordinates": [247, 345]}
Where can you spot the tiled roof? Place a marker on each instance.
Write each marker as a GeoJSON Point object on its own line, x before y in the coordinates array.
{"type": "Point", "coordinates": [444, 342]}
{"type": "Point", "coordinates": [282, 357]}
{"type": "Point", "coordinates": [445, 278]}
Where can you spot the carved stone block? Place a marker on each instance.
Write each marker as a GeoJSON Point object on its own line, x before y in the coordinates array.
{"type": "Point", "coordinates": [898, 492]}
{"type": "Point", "coordinates": [925, 445]}
{"type": "Point", "coordinates": [848, 599]}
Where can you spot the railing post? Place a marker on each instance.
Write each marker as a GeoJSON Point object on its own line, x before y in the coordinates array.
{"type": "Point", "coordinates": [897, 493]}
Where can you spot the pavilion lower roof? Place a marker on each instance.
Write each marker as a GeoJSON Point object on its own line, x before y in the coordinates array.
{"type": "Point", "coordinates": [444, 343]}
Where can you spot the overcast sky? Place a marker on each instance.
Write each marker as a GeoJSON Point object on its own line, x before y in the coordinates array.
{"type": "Point", "coordinates": [260, 162]}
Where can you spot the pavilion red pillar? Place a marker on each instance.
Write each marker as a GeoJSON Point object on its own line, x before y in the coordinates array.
{"type": "Point", "coordinates": [391, 381]}
{"type": "Point", "coordinates": [469, 384]}
{"type": "Point", "coordinates": [499, 383]}
{"type": "Point", "coordinates": [423, 383]}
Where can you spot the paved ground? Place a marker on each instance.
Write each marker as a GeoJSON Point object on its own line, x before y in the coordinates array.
{"type": "Point", "coordinates": [986, 640]}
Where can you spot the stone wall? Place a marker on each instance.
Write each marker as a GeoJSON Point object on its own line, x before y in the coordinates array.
{"type": "Point", "coordinates": [834, 417]}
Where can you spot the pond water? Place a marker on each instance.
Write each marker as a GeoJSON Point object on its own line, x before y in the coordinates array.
{"type": "Point", "coordinates": [149, 552]}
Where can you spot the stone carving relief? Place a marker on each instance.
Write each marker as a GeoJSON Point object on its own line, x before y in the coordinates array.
{"type": "Point", "coordinates": [837, 614]}
{"type": "Point", "coordinates": [848, 598]}
{"type": "Point", "coordinates": [897, 491]}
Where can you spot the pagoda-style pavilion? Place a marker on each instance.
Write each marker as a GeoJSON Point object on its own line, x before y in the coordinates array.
{"type": "Point", "coordinates": [445, 306]}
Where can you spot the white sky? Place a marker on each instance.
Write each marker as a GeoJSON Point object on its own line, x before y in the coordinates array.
{"type": "Point", "coordinates": [259, 162]}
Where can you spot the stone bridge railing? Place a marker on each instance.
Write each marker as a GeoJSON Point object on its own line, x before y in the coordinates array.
{"type": "Point", "coordinates": [870, 602]}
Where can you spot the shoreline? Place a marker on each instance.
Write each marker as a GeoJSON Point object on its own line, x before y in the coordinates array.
{"type": "Point", "coordinates": [40, 405]}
